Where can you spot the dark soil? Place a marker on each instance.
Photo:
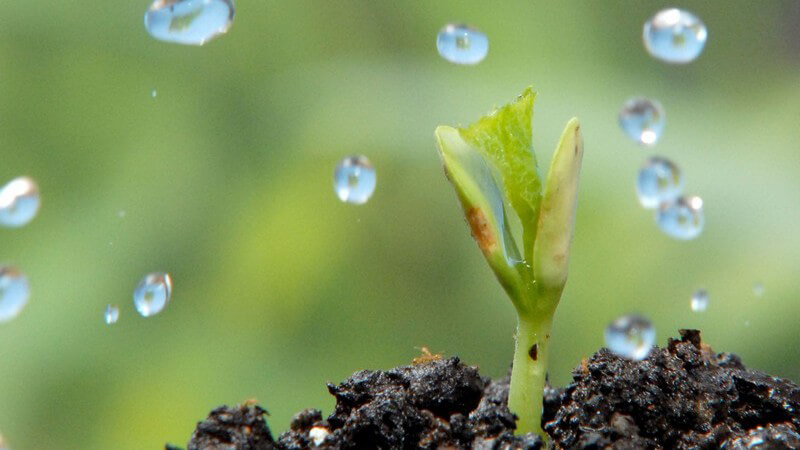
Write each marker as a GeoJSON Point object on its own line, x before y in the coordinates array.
{"type": "Point", "coordinates": [683, 396]}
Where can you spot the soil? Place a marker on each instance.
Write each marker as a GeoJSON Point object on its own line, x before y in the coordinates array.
{"type": "Point", "coordinates": [682, 396]}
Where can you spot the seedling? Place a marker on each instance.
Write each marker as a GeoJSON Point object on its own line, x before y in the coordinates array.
{"type": "Point", "coordinates": [493, 169]}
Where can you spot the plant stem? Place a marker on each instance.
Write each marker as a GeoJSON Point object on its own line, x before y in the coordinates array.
{"type": "Point", "coordinates": [529, 371]}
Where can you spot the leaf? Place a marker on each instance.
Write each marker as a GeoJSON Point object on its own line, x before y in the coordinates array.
{"type": "Point", "coordinates": [557, 215]}
{"type": "Point", "coordinates": [482, 204]}
{"type": "Point", "coordinates": [504, 139]}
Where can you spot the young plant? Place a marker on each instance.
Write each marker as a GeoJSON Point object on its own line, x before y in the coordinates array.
{"type": "Point", "coordinates": [493, 170]}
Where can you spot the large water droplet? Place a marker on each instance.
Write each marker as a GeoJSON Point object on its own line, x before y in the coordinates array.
{"type": "Point", "coordinates": [682, 218]}
{"type": "Point", "coordinates": [19, 202]}
{"type": "Point", "coordinates": [354, 180]}
{"type": "Point", "coordinates": [111, 314]}
{"type": "Point", "coordinates": [462, 44]}
{"type": "Point", "coordinates": [674, 36]}
{"type": "Point", "coordinates": [642, 120]}
{"type": "Point", "coordinates": [631, 336]}
{"type": "Point", "coordinates": [758, 289]}
{"type": "Point", "coordinates": [659, 181]}
{"type": "Point", "coordinates": [699, 301]}
{"type": "Point", "coordinates": [14, 292]}
{"type": "Point", "coordinates": [192, 22]}
{"type": "Point", "coordinates": [152, 293]}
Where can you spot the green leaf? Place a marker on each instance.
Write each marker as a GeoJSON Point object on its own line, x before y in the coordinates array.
{"type": "Point", "coordinates": [504, 139]}
{"type": "Point", "coordinates": [557, 216]}
{"type": "Point", "coordinates": [482, 204]}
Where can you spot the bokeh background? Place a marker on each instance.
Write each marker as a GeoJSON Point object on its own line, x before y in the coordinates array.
{"type": "Point", "coordinates": [224, 180]}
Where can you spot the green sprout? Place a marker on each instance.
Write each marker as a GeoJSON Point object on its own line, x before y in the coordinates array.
{"type": "Point", "coordinates": [493, 170]}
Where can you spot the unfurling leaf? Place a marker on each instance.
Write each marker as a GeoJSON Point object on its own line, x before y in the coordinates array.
{"type": "Point", "coordinates": [482, 203]}
{"type": "Point", "coordinates": [557, 214]}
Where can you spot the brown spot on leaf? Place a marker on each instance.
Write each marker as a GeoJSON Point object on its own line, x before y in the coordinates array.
{"type": "Point", "coordinates": [480, 230]}
{"type": "Point", "coordinates": [534, 352]}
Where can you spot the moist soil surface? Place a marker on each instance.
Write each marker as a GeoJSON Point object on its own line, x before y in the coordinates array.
{"type": "Point", "coordinates": [682, 396]}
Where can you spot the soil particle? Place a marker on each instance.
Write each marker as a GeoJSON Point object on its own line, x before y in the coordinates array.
{"type": "Point", "coordinates": [239, 428]}
{"type": "Point", "coordinates": [683, 396]}
{"type": "Point", "coordinates": [436, 404]}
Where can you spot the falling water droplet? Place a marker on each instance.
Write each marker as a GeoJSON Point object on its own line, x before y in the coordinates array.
{"type": "Point", "coordinates": [121, 213]}
{"type": "Point", "coordinates": [682, 218]}
{"type": "Point", "coordinates": [154, 93]}
{"type": "Point", "coordinates": [674, 36]}
{"type": "Point", "coordinates": [699, 301]}
{"type": "Point", "coordinates": [111, 314]}
{"type": "Point", "coordinates": [631, 336]}
{"type": "Point", "coordinates": [19, 202]}
{"type": "Point", "coordinates": [14, 292]}
{"type": "Point", "coordinates": [354, 180]}
{"type": "Point", "coordinates": [462, 44]}
{"type": "Point", "coordinates": [758, 289]}
{"type": "Point", "coordinates": [659, 181]}
{"type": "Point", "coordinates": [192, 22]}
{"type": "Point", "coordinates": [153, 293]}
{"type": "Point", "coordinates": [642, 120]}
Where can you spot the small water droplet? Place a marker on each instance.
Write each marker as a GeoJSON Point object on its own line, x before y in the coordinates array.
{"type": "Point", "coordinates": [14, 292]}
{"type": "Point", "coordinates": [121, 213]}
{"type": "Point", "coordinates": [631, 336]}
{"type": "Point", "coordinates": [154, 93]}
{"type": "Point", "coordinates": [758, 289]}
{"type": "Point", "coordinates": [191, 22]}
{"type": "Point", "coordinates": [462, 44]}
{"type": "Point", "coordinates": [675, 36]}
{"type": "Point", "coordinates": [354, 180]}
{"type": "Point", "coordinates": [153, 293]}
{"type": "Point", "coordinates": [747, 323]}
{"type": "Point", "coordinates": [659, 181]}
{"type": "Point", "coordinates": [318, 435]}
{"type": "Point", "coordinates": [682, 218]}
{"type": "Point", "coordinates": [19, 202]}
{"type": "Point", "coordinates": [699, 301]}
{"type": "Point", "coordinates": [111, 314]}
{"type": "Point", "coordinates": [642, 119]}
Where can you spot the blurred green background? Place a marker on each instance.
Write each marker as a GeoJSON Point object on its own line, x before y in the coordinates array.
{"type": "Point", "coordinates": [225, 181]}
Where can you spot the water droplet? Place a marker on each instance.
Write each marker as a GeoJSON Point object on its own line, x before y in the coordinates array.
{"type": "Point", "coordinates": [674, 36]}
{"type": "Point", "coordinates": [642, 120]}
{"type": "Point", "coordinates": [111, 314]}
{"type": "Point", "coordinates": [462, 44]}
{"type": "Point", "coordinates": [318, 435]}
{"type": "Point", "coordinates": [19, 202]}
{"type": "Point", "coordinates": [154, 93]}
{"type": "Point", "coordinates": [758, 289]}
{"type": "Point", "coordinates": [121, 213]}
{"type": "Point", "coordinates": [631, 336]}
{"type": "Point", "coordinates": [659, 181]}
{"type": "Point", "coordinates": [682, 218]}
{"type": "Point", "coordinates": [747, 323]}
{"type": "Point", "coordinates": [152, 294]}
{"type": "Point", "coordinates": [354, 180]}
{"type": "Point", "coordinates": [14, 292]}
{"type": "Point", "coordinates": [192, 22]}
{"type": "Point", "coordinates": [699, 300]}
